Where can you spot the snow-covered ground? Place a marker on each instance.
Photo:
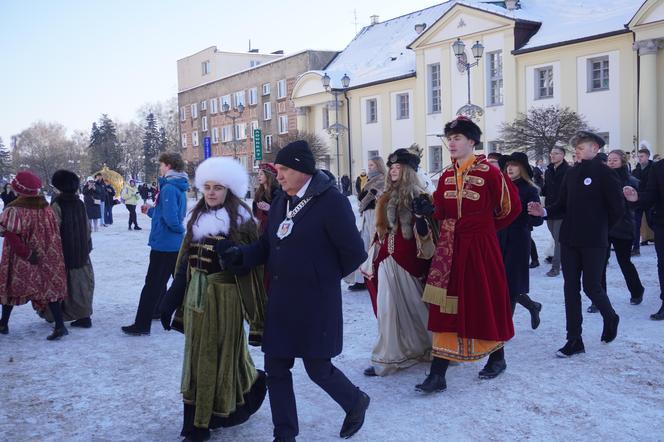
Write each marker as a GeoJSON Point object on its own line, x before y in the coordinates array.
{"type": "Point", "coordinates": [100, 385]}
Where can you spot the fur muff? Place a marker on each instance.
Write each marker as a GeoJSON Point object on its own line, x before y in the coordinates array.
{"type": "Point", "coordinates": [225, 171]}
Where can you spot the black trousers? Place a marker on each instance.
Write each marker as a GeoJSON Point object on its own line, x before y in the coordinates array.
{"type": "Point", "coordinates": [282, 397]}
{"type": "Point", "coordinates": [534, 257]}
{"type": "Point", "coordinates": [132, 215]}
{"type": "Point", "coordinates": [623, 249]}
{"type": "Point", "coordinates": [160, 269]}
{"type": "Point", "coordinates": [659, 248]}
{"type": "Point", "coordinates": [587, 265]}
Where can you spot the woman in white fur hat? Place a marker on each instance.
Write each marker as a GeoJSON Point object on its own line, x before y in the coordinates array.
{"type": "Point", "coordinates": [220, 385]}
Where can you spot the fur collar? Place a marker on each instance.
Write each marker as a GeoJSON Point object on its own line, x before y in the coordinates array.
{"type": "Point", "coordinates": [215, 222]}
{"type": "Point", "coordinates": [30, 202]}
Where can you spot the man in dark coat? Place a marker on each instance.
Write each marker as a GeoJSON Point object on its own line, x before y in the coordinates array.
{"type": "Point", "coordinates": [641, 172]}
{"type": "Point", "coordinates": [590, 203]}
{"type": "Point", "coordinates": [553, 178]}
{"type": "Point", "coordinates": [310, 243]}
{"type": "Point", "coordinates": [110, 201]}
{"type": "Point", "coordinates": [653, 196]}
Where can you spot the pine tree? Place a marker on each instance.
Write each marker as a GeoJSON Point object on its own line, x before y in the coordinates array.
{"type": "Point", "coordinates": [5, 162]}
{"type": "Point", "coordinates": [104, 145]}
{"type": "Point", "coordinates": [150, 147]}
{"type": "Point", "coordinates": [163, 140]}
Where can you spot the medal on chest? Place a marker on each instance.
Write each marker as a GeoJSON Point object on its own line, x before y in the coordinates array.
{"type": "Point", "coordinates": [286, 226]}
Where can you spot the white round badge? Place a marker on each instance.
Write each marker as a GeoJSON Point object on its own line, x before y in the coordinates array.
{"type": "Point", "coordinates": [587, 181]}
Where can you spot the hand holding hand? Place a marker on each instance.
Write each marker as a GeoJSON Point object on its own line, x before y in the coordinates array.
{"type": "Point", "coordinates": [631, 194]}
{"type": "Point", "coordinates": [422, 207]}
{"type": "Point", "coordinates": [229, 254]}
{"type": "Point", "coordinates": [263, 206]}
{"type": "Point", "coordinates": [535, 209]}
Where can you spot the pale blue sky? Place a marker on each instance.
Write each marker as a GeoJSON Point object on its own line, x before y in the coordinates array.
{"type": "Point", "coordinates": [70, 61]}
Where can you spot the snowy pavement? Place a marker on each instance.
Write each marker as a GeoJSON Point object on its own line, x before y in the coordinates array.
{"type": "Point", "coordinates": [100, 385]}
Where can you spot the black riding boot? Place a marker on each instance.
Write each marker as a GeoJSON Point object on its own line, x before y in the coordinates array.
{"type": "Point", "coordinates": [4, 321]}
{"type": "Point", "coordinates": [60, 330]}
{"type": "Point", "coordinates": [533, 307]}
{"type": "Point", "coordinates": [495, 365]}
{"type": "Point", "coordinates": [435, 382]}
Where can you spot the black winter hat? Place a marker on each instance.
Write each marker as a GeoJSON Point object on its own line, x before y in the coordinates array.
{"type": "Point", "coordinates": [464, 126]}
{"type": "Point", "coordinates": [65, 181]}
{"type": "Point", "coordinates": [298, 156]}
{"type": "Point", "coordinates": [522, 159]}
{"type": "Point", "coordinates": [403, 156]}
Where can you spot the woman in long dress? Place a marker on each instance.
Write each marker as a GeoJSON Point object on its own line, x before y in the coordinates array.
{"type": "Point", "coordinates": [220, 384]}
{"type": "Point", "coordinates": [405, 246]}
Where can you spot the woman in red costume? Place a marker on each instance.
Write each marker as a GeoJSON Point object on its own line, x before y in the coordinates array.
{"type": "Point", "coordinates": [469, 304]}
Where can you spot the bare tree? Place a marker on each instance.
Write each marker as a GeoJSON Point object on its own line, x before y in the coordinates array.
{"type": "Point", "coordinates": [316, 144]}
{"type": "Point", "coordinates": [540, 129]}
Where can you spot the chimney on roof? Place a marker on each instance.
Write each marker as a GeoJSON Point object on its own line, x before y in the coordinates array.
{"type": "Point", "coordinates": [279, 52]}
{"type": "Point", "coordinates": [253, 51]}
{"type": "Point", "coordinates": [512, 5]}
{"type": "Point", "coordinates": [374, 19]}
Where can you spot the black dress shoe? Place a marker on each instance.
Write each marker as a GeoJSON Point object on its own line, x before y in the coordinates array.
{"type": "Point", "coordinates": [571, 348]}
{"type": "Point", "coordinates": [137, 228]}
{"type": "Point", "coordinates": [534, 264]}
{"type": "Point", "coordinates": [659, 315]}
{"type": "Point", "coordinates": [434, 383]}
{"type": "Point", "coordinates": [132, 330]}
{"type": "Point", "coordinates": [82, 323]}
{"type": "Point", "coordinates": [57, 334]}
{"type": "Point", "coordinates": [355, 419]}
{"type": "Point", "coordinates": [610, 330]}
{"type": "Point", "coordinates": [4, 329]}
{"type": "Point", "coordinates": [371, 371]}
{"type": "Point", "coordinates": [592, 309]}
{"type": "Point", "coordinates": [534, 315]}
{"type": "Point", "coordinates": [492, 369]}
{"type": "Point", "coordinates": [357, 287]}
{"type": "Point", "coordinates": [636, 300]}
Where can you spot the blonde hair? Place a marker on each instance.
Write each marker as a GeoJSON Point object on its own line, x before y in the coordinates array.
{"type": "Point", "coordinates": [405, 188]}
{"type": "Point", "coordinates": [380, 164]}
{"type": "Point", "coordinates": [524, 174]}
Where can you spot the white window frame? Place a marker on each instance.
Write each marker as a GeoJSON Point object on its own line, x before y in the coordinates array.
{"type": "Point", "coordinates": [267, 111]}
{"type": "Point", "coordinates": [206, 67]}
{"type": "Point", "coordinates": [254, 126]}
{"type": "Point", "coordinates": [204, 105]}
{"type": "Point", "coordinates": [253, 96]}
{"type": "Point", "coordinates": [435, 158]}
{"type": "Point", "coordinates": [215, 135]}
{"type": "Point", "coordinates": [266, 89]}
{"type": "Point", "coordinates": [225, 99]}
{"type": "Point", "coordinates": [194, 138]}
{"type": "Point", "coordinates": [543, 76]}
{"type": "Point", "coordinates": [204, 124]}
{"type": "Point", "coordinates": [434, 86]}
{"type": "Point", "coordinates": [240, 98]}
{"type": "Point", "coordinates": [184, 140]}
{"type": "Point", "coordinates": [372, 111]}
{"type": "Point", "coordinates": [281, 89]}
{"type": "Point", "coordinates": [214, 106]}
{"type": "Point", "coordinates": [604, 73]}
{"type": "Point", "coordinates": [226, 134]}
{"type": "Point", "coordinates": [183, 113]}
{"type": "Point", "coordinates": [268, 144]}
{"type": "Point", "coordinates": [240, 131]}
{"type": "Point", "coordinates": [283, 124]}
{"type": "Point", "coordinates": [403, 113]}
{"type": "Point", "coordinates": [495, 146]}
{"type": "Point", "coordinates": [494, 66]}
{"type": "Point", "coordinates": [194, 110]}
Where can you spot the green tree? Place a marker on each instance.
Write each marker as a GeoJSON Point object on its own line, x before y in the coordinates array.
{"type": "Point", "coordinates": [6, 164]}
{"type": "Point", "coordinates": [151, 144]}
{"type": "Point", "coordinates": [104, 145]}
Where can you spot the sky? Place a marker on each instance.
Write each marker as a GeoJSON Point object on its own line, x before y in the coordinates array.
{"type": "Point", "coordinates": [70, 61]}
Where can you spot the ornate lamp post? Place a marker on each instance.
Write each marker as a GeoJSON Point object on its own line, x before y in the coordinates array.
{"type": "Point", "coordinates": [459, 47]}
{"type": "Point", "coordinates": [233, 114]}
{"type": "Point", "coordinates": [336, 130]}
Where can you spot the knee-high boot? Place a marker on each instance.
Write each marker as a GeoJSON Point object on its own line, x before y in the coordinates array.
{"type": "Point", "coordinates": [533, 307]}
{"type": "Point", "coordinates": [4, 321]}
{"type": "Point", "coordinates": [60, 330]}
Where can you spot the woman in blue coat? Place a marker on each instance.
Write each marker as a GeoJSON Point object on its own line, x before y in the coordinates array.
{"type": "Point", "coordinates": [515, 239]}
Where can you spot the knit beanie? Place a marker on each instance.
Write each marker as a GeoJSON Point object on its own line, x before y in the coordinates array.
{"type": "Point", "coordinates": [298, 156]}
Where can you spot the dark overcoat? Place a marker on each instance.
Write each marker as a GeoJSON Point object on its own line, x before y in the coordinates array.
{"type": "Point", "coordinates": [514, 242]}
{"type": "Point", "coordinates": [652, 194]}
{"type": "Point", "coordinates": [304, 317]}
{"type": "Point", "coordinates": [624, 229]}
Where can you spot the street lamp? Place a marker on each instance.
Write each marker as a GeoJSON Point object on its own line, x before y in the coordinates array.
{"type": "Point", "coordinates": [337, 129]}
{"type": "Point", "coordinates": [459, 48]}
{"type": "Point", "coordinates": [233, 114]}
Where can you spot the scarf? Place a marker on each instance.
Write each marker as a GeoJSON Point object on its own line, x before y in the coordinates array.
{"type": "Point", "coordinates": [73, 230]}
{"type": "Point", "coordinates": [376, 182]}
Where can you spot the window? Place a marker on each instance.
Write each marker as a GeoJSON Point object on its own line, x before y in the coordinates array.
{"type": "Point", "coordinates": [435, 159]}
{"type": "Point", "coordinates": [434, 88]}
{"type": "Point", "coordinates": [214, 106]}
{"type": "Point", "coordinates": [372, 111]}
{"type": "Point", "coordinates": [268, 144]}
{"type": "Point", "coordinates": [194, 110]}
{"type": "Point", "coordinates": [215, 135]}
{"type": "Point", "coordinates": [283, 124]}
{"type": "Point", "coordinates": [266, 89]}
{"type": "Point", "coordinates": [373, 153]}
{"type": "Point", "coordinates": [184, 141]}
{"type": "Point", "coordinates": [495, 146]}
{"type": "Point", "coordinates": [226, 99]}
{"type": "Point", "coordinates": [226, 134]}
{"type": "Point", "coordinates": [239, 99]}
{"type": "Point", "coordinates": [204, 105]}
{"type": "Point", "coordinates": [326, 117]}
{"type": "Point", "coordinates": [205, 67]}
{"type": "Point", "coordinates": [241, 131]}
{"type": "Point", "coordinates": [267, 111]}
{"type": "Point", "coordinates": [605, 137]}
{"type": "Point", "coordinates": [254, 126]}
{"type": "Point", "coordinates": [183, 113]}
{"type": "Point", "coordinates": [253, 96]}
{"type": "Point", "coordinates": [204, 124]}
{"type": "Point", "coordinates": [598, 74]}
{"type": "Point", "coordinates": [495, 77]}
{"type": "Point", "coordinates": [403, 107]}
{"type": "Point", "coordinates": [281, 89]}
{"type": "Point", "coordinates": [194, 138]}
{"type": "Point", "coordinates": [254, 63]}
{"type": "Point", "coordinates": [544, 82]}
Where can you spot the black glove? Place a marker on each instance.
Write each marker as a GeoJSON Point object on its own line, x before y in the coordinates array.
{"type": "Point", "coordinates": [422, 206]}
{"type": "Point", "coordinates": [174, 296]}
{"type": "Point", "coordinates": [230, 255]}
{"type": "Point", "coordinates": [33, 258]}
{"type": "Point", "coordinates": [421, 226]}
{"type": "Point", "coordinates": [374, 192]}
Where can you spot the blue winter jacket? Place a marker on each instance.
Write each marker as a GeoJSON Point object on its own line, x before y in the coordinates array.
{"type": "Point", "coordinates": [168, 215]}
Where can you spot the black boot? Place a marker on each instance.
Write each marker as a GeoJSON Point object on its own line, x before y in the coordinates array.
{"type": "Point", "coordinates": [198, 435]}
{"type": "Point", "coordinates": [435, 382]}
{"type": "Point", "coordinates": [534, 308]}
{"type": "Point", "coordinates": [610, 330]}
{"type": "Point", "coordinates": [370, 371]}
{"type": "Point", "coordinates": [572, 347]}
{"type": "Point", "coordinates": [4, 321]}
{"type": "Point", "coordinates": [187, 420]}
{"type": "Point", "coordinates": [133, 330]}
{"type": "Point", "coordinates": [494, 366]}
{"type": "Point", "coordinates": [355, 418]}
{"type": "Point", "coordinates": [60, 330]}
{"type": "Point", "coordinates": [659, 315]}
{"type": "Point", "coordinates": [534, 264]}
{"type": "Point", "coordinates": [592, 309]}
{"type": "Point", "coordinates": [82, 323]}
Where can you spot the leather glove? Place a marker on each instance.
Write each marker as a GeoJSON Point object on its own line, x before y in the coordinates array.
{"type": "Point", "coordinates": [421, 226]}
{"type": "Point", "coordinates": [422, 207]}
{"type": "Point", "coordinates": [33, 258]}
{"type": "Point", "coordinates": [230, 255]}
{"type": "Point", "coordinates": [174, 296]}
{"type": "Point", "coordinates": [374, 192]}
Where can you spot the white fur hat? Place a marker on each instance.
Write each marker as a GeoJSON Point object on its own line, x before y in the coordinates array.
{"type": "Point", "coordinates": [225, 171]}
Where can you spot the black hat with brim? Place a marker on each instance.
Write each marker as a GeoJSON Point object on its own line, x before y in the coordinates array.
{"type": "Point", "coordinates": [464, 126]}
{"type": "Point", "coordinates": [521, 159]}
{"type": "Point", "coordinates": [403, 156]}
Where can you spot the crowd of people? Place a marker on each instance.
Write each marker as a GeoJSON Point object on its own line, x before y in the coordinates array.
{"type": "Point", "coordinates": [444, 270]}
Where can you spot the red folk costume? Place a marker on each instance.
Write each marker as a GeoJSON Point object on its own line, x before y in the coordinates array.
{"type": "Point", "coordinates": [469, 305]}
{"type": "Point", "coordinates": [31, 230]}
